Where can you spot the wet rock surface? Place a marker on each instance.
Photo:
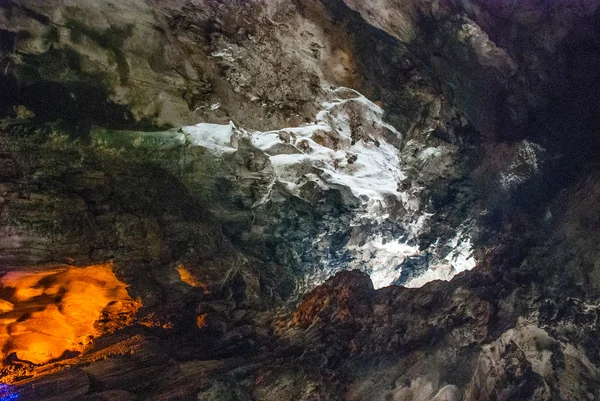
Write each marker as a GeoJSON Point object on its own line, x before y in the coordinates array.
{"type": "Point", "coordinates": [382, 142]}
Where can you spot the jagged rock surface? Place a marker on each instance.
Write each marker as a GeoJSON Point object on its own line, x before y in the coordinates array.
{"type": "Point", "coordinates": [482, 113]}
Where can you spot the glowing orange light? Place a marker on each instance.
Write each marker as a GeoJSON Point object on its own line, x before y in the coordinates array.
{"type": "Point", "coordinates": [201, 321]}
{"type": "Point", "coordinates": [50, 312]}
{"type": "Point", "coordinates": [187, 277]}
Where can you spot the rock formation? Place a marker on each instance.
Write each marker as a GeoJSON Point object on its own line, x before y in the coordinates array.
{"type": "Point", "coordinates": [299, 200]}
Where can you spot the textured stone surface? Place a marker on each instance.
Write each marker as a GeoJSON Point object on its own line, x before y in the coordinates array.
{"type": "Point", "coordinates": [492, 112]}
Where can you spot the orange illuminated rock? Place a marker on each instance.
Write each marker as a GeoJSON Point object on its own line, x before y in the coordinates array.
{"type": "Point", "coordinates": [153, 320]}
{"type": "Point", "coordinates": [5, 306]}
{"type": "Point", "coordinates": [201, 321]}
{"type": "Point", "coordinates": [55, 311]}
{"type": "Point", "coordinates": [338, 299]}
{"type": "Point", "coordinates": [187, 277]}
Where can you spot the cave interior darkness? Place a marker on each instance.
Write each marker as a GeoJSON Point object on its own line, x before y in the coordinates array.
{"type": "Point", "coordinates": [299, 200]}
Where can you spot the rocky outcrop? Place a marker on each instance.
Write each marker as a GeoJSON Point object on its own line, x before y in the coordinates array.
{"type": "Point", "coordinates": [484, 335]}
{"type": "Point", "coordinates": [228, 157]}
{"type": "Point", "coordinates": [340, 182]}
{"type": "Point", "coordinates": [275, 68]}
{"type": "Point", "coordinates": [183, 62]}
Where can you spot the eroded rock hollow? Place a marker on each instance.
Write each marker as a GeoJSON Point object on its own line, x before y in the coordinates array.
{"type": "Point", "coordinates": [310, 200]}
